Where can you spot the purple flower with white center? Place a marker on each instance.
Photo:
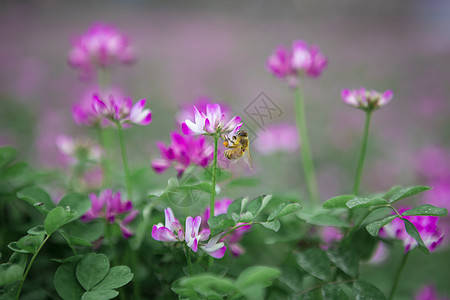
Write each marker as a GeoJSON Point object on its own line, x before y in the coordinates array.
{"type": "Point", "coordinates": [214, 121]}
{"type": "Point", "coordinates": [426, 225]}
{"type": "Point", "coordinates": [77, 150]}
{"type": "Point", "coordinates": [101, 46]}
{"type": "Point", "coordinates": [301, 59]}
{"type": "Point", "coordinates": [110, 206]}
{"type": "Point", "coordinates": [121, 110]}
{"type": "Point", "coordinates": [366, 99]}
{"type": "Point", "coordinates": [187, 113]}
{"type": "Point", "coordinates": [182, 152]}
{"type": "Point", "coordinates": [235, 237]}
{"type": "Point", "coordinates": [278, 138]}
{"type": "Point", "coordinates": [428, 292]}
{"type": "Point", "coordinates": [172, 231]}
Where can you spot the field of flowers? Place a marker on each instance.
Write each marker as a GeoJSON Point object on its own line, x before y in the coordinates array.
{"type": "Point", "coordinates": [198, 150]}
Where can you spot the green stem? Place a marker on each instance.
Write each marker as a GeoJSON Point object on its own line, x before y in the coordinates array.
{"type": "Point", "coordinates": [307, 161]}
{"type": "Point", "coordinates": [103, 78]}
{"type": "Point", "coordinates": [213, 179]}
{"type": "Point", "coordinates": [362, 154]}
{"type": "Point", "coordinates": [397, 276]}
{"type": "Point", "coordinates": [124, 158]}
{"type": "Point", "coordinates": [104, 160]}
{"type": "Point", "coordinates": [188, 257]}
{"type": "Point", "coordinates": [29, 266]}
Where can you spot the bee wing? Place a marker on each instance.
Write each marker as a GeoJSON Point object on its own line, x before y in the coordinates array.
{"type": "Point", "coordinates": [248, 159]}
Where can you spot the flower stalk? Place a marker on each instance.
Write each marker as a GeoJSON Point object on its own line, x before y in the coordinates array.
{"type": "Point", "coordinates": [362, 153]}
{"type": "Point", "coordinates": [124, 158]}
{"type": "Point", "coordinates": [397, 276]}
{"type": "Point", "coordinates": [307, 161]}
{"type": "Point", "coordinates": [214, 175]}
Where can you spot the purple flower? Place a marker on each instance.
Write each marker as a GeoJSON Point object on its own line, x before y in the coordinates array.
{"type": "Point", "coordinates": [212, 122]}
{"type": "Point", "coordinates": [426, 225]}
{"type": "Point", "coordinates": [433, 162]}
{"type": "Point", "coordinates": [428, 292]}
{"type": "Point", "coordinates": [182, 152]}
{"type": "Point", "coordinates": [172, 231]}
{"type": "Point", "coordinates": [121, 110]}
{"type": "Point", "coordinates": [301, 59]}
{"type": "Point", "coordinates": [329, 235]}
{"type": "Point", "coordinates": [102, 45]}
{"type": "Point", "coordinates": [110, 206]}
{"type": "Point", "coordinates": [187, 113]}
{"type": "Point", "coordinates": [77, 149]}
{"type": "Point", "coordinates": [366, 99]}
{"type": "Point", "coordinates": [235, 237]}
{"type": "Point", "coordinates": [282, 137]}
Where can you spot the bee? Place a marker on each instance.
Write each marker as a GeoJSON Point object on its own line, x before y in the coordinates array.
{"type": "Point", "coordinates": [239, 147]}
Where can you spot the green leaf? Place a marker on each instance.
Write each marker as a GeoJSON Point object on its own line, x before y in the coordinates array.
{"type": "Point", "coordinates": [259, 275]}
{"type": "Point", "coordinates": [75, 241]}
{"type": "Point", "coordinates": [407, 192]}
{"type": "Point", "coordinates": [79, 204]}
{"type": "Point", "coordinates": [219, 223]}
{"type": "Point", "coordinates": [7, 155]}
{"type": "Point", "coordinates": [184, 195]}
{"type": "Point", "coordinates": [272, 225]}
{"type": "Point", "coordinates": [66, 283]}
{"type": "Point", "coordinates": [283, 209]}
{"type": "Point", "coordinates": [57, 217]}
{"type": "Point", "coordinates": [365, 291]}
{"type": "Point", "coordinates": [333, 292]}
{"type": "Point", "coordinates": [202, 186]}
{"type": "Point", "coordinates": [338, 201]}
{"type": "Point", "coordinates": [257, 205]}
{"type": "Point", "coordinates": [345, 259]}
{"type": "Point", "coordinates": [36, 230]}
{"type": "Point", "coordinates": [426, 210]}
{"type": "Point", "coordinates": [91, 231]}
{"type": "Point", "coordinates": [100, 295]}
{"type": "Point", "coordinates": [374, 227]}
{"type": "Point", "coordinates": [235, 207]}
{"type": "Point", "coordinates": [9, 273]}
{"type": "Point", "coordinates": [327, 220]}
{"type": "Point", "coordinates": [244, 182]}
{"type": "Point", "coordinates": [37, 197]}
{"type": "Point", "coordinates": [19, 259]}
{"type": "Point", "coordinates": [246, 217]}
{"type": "Point", "coordinates": [27, 244]}
{"type": "Point", "coordinates": [315, 262]}
{"type": "Point", "coordinates": [91, 270]}
{"type": "Point", "coordinates": [414, 233]}
{"type": "Point", "coordinates": [117, 277]}
{"type": "Point", "coordinates": [208, 284]}
{"type": "Point", "coordinates": [365, 202]}
{"type": "Point", "coordinates": [392, 191]}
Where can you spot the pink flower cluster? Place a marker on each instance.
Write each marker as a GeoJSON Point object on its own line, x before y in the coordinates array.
{"type": "Point", "coordinates": [366, 99]}
{"type": "Point", "coordinates": [428, 293]}
{"type": "Point", "coordinates": [233, 239]}
{"type": "Point", "coordinates": [77, 149]}
{"type": "Point", "coordinates": [102, 45]}
{"type": "Point", "coordinates": [213, 121]}
{"type": "Point", "coordinates": [109, 206]}
{"type": "Point", "coordinates": [172, 231]}
{"type": "Point", "coordinates": [182, 152]}
{"type": "Point", "coordinates": [278, 138]}
{"type": "Point", "coordinates": [426, 225]}
{"type": "Point", "coordinates": [289, 64]}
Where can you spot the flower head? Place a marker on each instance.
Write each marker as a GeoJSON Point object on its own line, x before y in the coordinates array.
{"type": "Point", "coordinates": [110, 206]}
{"type": "Point", "coordinates": [366, 99]}
{"type": "Point", "coordinates": [426, 225]}
{"type": "Point", "coordinates": [172, 231]}
{"type": "Point", "coordinates": [235, 237]}
{"type": "Point", "coordinates": [102, 45]}
{"type": "Point", "coordinates": [329, 236]}
{"type": "Point", "coordinates": [213, 121]}
{"type": "Point", "coordinates": [278, 138]}
{"type": "Point", "coordinates": [187, 113]}
{"type": "Point", "coordinates": [182, 152]}
{"type": "Point", "coordinates": [121, 110]}
{"type": "Point", "coordinates": [77, 149]}
{"type": "Point", "coordinates": [301, 59]}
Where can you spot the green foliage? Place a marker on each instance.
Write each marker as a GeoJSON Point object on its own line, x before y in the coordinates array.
{"type": "Point", "coordinates": [346, 259]}
{"type": "Point", "coordinates": [426, 210]}
{"type": "Point", "coordinates": [315, 262]}
{"type": "Point", "coordinates": [37, 197]}
{"type": "Point", "coordinates": [374, 227]}
{"type": "Point", "coordinates": [58, 217]}
{"type": "Point", "coordinates": [365, 291]}
{"type": "Point", "coordinates": [333, 292]}
{"type": "Point", "coordinates": [406, 192]}
{"type": "Point", "coordinates": [90, 278]}
{"type": "Point", "coordinates": [414, 233]}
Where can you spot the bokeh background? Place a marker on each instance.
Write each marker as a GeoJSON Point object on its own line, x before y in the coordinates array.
{"type": "Point", "coordinates": [188, 49]}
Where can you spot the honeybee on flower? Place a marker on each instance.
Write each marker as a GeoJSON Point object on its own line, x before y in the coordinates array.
{"type": "Point", "coordinates": [238, 145]}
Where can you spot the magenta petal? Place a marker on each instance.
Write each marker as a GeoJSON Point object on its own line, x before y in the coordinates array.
{"type": "Point", "coordinates": [186, 130]}
{"type": "Point", "coordinates": [194, 246]}
{"type": "Point", "coordinates": [160, 165]}
{"type": "Point", "coordinates": [219, 253]}
{"type": "Point", "coordinates": [165, 235]}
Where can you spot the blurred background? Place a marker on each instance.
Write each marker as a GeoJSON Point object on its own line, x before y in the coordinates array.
{"type": "Point", "coordinates": [189, 49]}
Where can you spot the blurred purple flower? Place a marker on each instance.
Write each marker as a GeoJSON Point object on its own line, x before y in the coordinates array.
{"type": "Point", "coordinates": [101, 46]}
{"type": "Point", "coordinates": [301, 59]}
{"type": "Point", "coordinates": [426, 225]}
{"type": "Point", "coordinates": [172, 231]}
{"type": "Point", "coordinates": [366, 99]}
{"type": "Point", "coordinates": [428, 292]}
{"type": "Point", "coordinates": [329, 236]}
{"type": "Point", "coordinates": [75, 150]}
{"type": "Point", "coordinates": [109, 206]}
{"type": "Point", "coordinates": [433, 162]}
{"type": "Point", "coordinates": [183, 151]}
{"type": "Point", "coordinates": [187, 113]}
{"type": "Point", "coordinates": [211, 122]}
{"type": "Point", "coordinates": [233, 239]}
{"type": "Point", "coordinates": [121, 110]}
{"type": "Point", "coordinates": [281, 137]}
